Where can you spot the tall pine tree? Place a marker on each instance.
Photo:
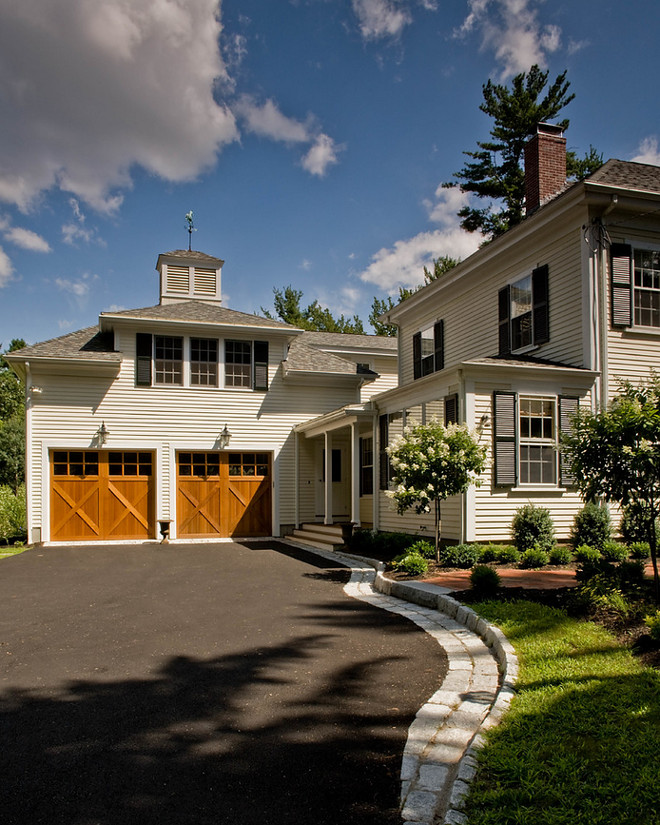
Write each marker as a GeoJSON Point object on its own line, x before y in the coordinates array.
{"type": "Point", "coordinates": [495, 171]}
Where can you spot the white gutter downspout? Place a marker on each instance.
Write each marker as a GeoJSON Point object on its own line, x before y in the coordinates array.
{"type": "Point", "coordinates": [604, 360]}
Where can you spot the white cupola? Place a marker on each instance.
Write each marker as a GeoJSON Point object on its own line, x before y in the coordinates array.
{"type": "Point", "coordinates": [189, 276]}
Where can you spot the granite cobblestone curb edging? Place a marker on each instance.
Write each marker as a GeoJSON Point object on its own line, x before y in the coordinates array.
{"type": "Point", "coordinates": [439, 759]}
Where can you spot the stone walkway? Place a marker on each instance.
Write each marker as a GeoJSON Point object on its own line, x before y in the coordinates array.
{"type": "Point", "coordinates": [439, 757]}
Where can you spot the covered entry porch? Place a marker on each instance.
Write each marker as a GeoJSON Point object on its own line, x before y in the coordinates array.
{"type": "Point", "coordinates": [335, 471]}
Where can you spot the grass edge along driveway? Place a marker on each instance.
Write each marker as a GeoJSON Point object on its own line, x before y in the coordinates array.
{"type": "Point", "coordinates": [580, 743]}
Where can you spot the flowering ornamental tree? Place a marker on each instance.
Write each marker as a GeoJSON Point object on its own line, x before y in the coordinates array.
{"type": "Point", "coordinates": [431, 462]}
{"type": "Point", "coordinates": [615, 454]}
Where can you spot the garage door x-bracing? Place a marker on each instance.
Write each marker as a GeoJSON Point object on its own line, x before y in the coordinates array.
{"type": "Point", "coordinates": [98, 494]}
{"type": "Point", "coordinates": [223, 494]}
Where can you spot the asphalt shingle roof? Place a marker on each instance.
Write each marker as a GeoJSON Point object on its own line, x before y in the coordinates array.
{"type": "Point", "coordinates": [87, 344]}
{"type": "Point", "coordinates": [201, 312]}
{"type": "Point", "coordinates": [628, 175]}
{"type": "Point", "coordinates": [201, 257]}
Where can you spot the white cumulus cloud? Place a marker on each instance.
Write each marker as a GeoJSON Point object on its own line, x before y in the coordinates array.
{"type": "Point", "coordinates": [402, 264]}
{"type": "Point", "coordinates": [92, 88]}
{"type": "Point", "coordinates": [648, 152]}
{"type": "Point", "coordinates": [379, 19]}
{"type": "Point", "coordinates": [321, 155]}
{"type": "Point", "coordinates": [6, 268]}
{"type": "Point", "coordinates": [25, 238]}
{"type": "Point", "coordinates": [512, 31]}
{"type": "Point", "coordinates": [266, 120]}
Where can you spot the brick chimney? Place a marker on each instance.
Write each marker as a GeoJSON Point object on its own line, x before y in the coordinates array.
{"type": "Point", "coordinates": [545, 166]}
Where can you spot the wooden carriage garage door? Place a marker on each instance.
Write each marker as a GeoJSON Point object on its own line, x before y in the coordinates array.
{"type": "Point", "coordinates": [98, 494]}
{"type": "Point", "coordinates": [223, 494]}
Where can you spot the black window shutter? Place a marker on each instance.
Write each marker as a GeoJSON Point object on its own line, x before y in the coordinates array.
{"type": "Point", "coordinates": [504, 311]}
{"type": "Point", "coordinates": [417, 355]}
{"type": "Point", "coordinates": [540, 305]}
{"type": "Point", "coordinates": [261, 365]}
{"type": "Point", "coordinates": [451, 409]}
{"type": "Point", "coordinates": [568, 406]}
{"type": "Point", "coordinates": [439, 345]}
{"type": "Point", "coordinates": [384, 460]}
{"type": "Point", "coordinates": [143, 352]}
{"type": "Point", "coordinates": [621, 284]}
{"type": "Point", "coordinates": [504, 435]}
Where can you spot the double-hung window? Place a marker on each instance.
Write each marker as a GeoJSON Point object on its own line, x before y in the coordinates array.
{"type": "Point", "coordinates": [523, 309]}
{"type": "Point", "coordinates": [429, 350]}
{"type": "Point", "coordinates": [203, 362]}
{"type": "Point", "coordinates": [526, 439]}
{"type": "Point", "coordinates": [635, 286]}
{"type": "Point", "coordinates": [168, 359]}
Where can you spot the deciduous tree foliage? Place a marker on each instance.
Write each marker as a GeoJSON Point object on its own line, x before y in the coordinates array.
{"type": "Point", "coordinates": [12, 423]}
{"type": "Point", "coordinates": [312, 317]}
{"type": "Point", "coordinates": [431, 462]}
{"type": "Point", "coordinates": [615, 454]}
{"type": "Point", "coordinates": [495, 171]}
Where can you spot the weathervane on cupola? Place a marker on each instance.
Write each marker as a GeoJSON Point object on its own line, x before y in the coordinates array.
{"type": "Point", "coordinates": [190, 226]}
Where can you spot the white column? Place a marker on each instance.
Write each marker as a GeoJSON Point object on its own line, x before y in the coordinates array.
{"type": "Point", "coordinates": [355, 474]}
{"type": "Point", "coordinates": [327, 487]}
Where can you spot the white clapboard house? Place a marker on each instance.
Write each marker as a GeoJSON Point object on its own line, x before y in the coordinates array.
{"type": "Point", "coordinates": [213, 423]}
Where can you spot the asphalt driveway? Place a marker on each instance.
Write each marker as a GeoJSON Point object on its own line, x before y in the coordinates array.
{"type": "Point", "coordinates": [210, 683]}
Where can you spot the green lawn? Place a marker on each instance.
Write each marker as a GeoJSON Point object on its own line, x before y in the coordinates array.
{"type": "Point", "coordinates": [581, 742]}
{"type": "Point", "coordinates": [11, 550]}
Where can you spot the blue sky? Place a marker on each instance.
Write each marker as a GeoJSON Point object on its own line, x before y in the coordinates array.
{"type": "Point", "coordinates": [309, 137]}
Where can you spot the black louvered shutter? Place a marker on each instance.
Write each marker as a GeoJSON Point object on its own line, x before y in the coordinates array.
{"type": "Point", "coordinates": [417, 355]}
{"type": "Point", "coordinates": [621, 284]}
{"type": "Point", "coordinates": [384, 460]}
{"type": "Point", "coordinates": [568, 406]}
{"type": "Point", "coordinates": [261, 365]}
{"type": "Point", "coordinates": [504, 311]}
{"type": "Point", "coordinates": [504, 434]}
{"type": "Point", "coordinates": [540, 305]}
{"type": "Point", "coordinates": [439, 345]}
{"type": "Point", "coordinates": [143, 352]}
{"type": "Point", "coordinates": [451, 409]}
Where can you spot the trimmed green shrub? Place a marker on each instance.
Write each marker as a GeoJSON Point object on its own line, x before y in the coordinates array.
{"type": "Point", "coordinates": [592, 525]}
{"type": "Point", "coordinates": [631, 574]}
{"type": "Point", "coordinates": [507, 554]}
{"type": "Point", "coordinates": [411, 563]}
{"type": "Point", "coordinates": [379, 545]}
{"type": "Point", "coordinates": [584, 554]}
{"type": "Point", "coordinates": [614, 551]}
{"type": "Point", "coordinates": [560, 555]}
{"type": "Point", "coordinates": [484, 580]}
{"type": "Point", "coordinates": [13, 517]}
{"type": "Point", "coordinates": [640, 550]}
{"type": "Point", "coordinates": [425, 549]}
{"type": "Point", "coordinates": [532, 527]}
{"type": "Point", "coordinates": [635, 523]}
{"type": "Point", "coordinates": [533, 558]}
{"type": "Point", "coordinates": [460, 555]}
{"type": "Point", "coordinates": [653, 624]}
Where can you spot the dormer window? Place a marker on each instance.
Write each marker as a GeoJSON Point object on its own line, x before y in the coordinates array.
{"type": "Point", "coordinates": [203, 362]}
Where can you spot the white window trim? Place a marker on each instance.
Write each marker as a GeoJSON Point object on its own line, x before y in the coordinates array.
{"type": "Point", "coordinates": [545, 442]}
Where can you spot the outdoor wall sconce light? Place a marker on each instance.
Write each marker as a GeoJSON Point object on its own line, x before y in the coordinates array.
{"type": "Point", "coordinates": [102, 434]}
{"type": "Point", "coordinates": [484, 421]}
{"type": "Point", "coordinates": [223, 438]}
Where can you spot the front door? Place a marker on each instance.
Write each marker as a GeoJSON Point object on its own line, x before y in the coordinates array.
{"type": "Point", "coordinates": [339, 481]}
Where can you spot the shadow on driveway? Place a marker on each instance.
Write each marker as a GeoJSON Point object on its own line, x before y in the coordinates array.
{"type": "Point", "coordinates": [306, 726]}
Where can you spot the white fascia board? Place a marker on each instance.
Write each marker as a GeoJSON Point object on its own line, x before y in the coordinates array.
{"type": "Point", "coordinates": [335, 420]}
{"type": "Point", "coordinates": [65, 366]}
{"type": "Point", "coordinates": [322, 378]}
{"type": "Point", "coordinates": [252, 329]}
